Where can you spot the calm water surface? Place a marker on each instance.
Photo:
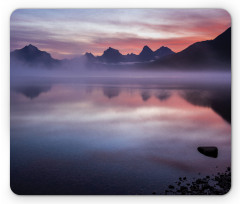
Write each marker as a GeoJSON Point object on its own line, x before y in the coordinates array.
{"type": "Point", "coordinates": [88, 137]}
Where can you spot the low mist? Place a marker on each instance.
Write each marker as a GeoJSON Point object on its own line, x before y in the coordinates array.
{"type": "Point", "coordinates": [81, 70]}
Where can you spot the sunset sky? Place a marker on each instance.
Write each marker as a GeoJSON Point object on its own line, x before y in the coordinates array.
{"type": "Point", "coordinates": [67, 33]}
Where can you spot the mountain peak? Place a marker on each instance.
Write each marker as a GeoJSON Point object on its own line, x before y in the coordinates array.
{"type": "Point", "coordinates": [146, 54]}
{"type": "Point", "coordinates": [31, 55]}
{"type": "Point", "coordinates": [146, 48]}
{"type": "Point", "coordinates": [163, 51]}
{"type": "Point", "coordinates": [111, 50]}
{"type": "Point", "coordinates": [88, 54]}
{"type": "Point", "coordinates": [111, 55]}
{"type": "Point", "coordinates": [31, 47]}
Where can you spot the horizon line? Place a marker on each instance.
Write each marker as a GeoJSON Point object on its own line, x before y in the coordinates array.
{"type": "Point", "coordinates": [115, 49]}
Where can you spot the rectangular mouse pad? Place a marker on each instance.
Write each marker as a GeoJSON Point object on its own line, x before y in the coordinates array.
{"type": "Point", "coordinates": [120, 101]}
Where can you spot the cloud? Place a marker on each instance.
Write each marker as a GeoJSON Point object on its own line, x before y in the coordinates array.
{"type": "Point", "coordinates": [68, 33]}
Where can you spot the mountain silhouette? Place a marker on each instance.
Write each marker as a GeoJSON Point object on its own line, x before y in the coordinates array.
{"type": "Point", "coordinates": [90, 57]}
{"type": "Point", "coordinates": [205, 54]}
{"type": "Point", "coordinates": [31, 55]}
{"type": "Point", "coordinates": [163, 51]}
{"type": "Point", "coordinates": [208, 54]}
{"type": "Point", "coordinates": [131, 58]}
{"type": "Point", "coordinates": [146, 54]}
{"type": "Point", "coordinates": [111, 56]}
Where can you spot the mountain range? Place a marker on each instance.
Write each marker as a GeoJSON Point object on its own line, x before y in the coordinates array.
{"type": "Point", "coordinates": [216, 52]}
{"type": "Point", "coordinates": [32, 56]}
{"type": "Point", "coordinates": [210, 53]}
{"type": "Point", "coordinates": [112, 55]}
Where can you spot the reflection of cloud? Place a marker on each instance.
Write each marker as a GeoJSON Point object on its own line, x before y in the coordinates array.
{"type": "Point", "coordinates": [111, 92]}
{"type": "Point", "coordinates": [129, 131]}
{"type": "Point", "coordinates": [32, 91]}
{"type": "Point", "coordinates": [145, 95]}
{"type": "Point", "coordinates": [163, 95]}
{"type": "Point", "coordinates": [89, 89]}
{"type": "Point", "coordinates": [172, 163]}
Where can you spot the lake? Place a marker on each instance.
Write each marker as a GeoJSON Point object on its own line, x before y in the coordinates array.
{"type": "Point", "coordinates": [105, 135]}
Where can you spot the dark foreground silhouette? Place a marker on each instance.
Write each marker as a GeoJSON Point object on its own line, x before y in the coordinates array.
{"type": "Point", "coordinates": [209, 185]}
{"type": "Point", "coordinates": [209, 151]}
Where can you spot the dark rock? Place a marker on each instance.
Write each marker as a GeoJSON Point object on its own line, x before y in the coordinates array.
{"type": "Point", "coordinates": [209, 151]}
{"type": "Point", "coordinates": [171, 187]}
{"type": "Point", "coordinates": [218, 185]}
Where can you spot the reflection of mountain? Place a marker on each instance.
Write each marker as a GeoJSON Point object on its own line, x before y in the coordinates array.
{"type": "Point", "coordinates": [203, 54]}
{"type": "Point", "coordinates": [145, 95]}
{"type": "Point", "coordinates": [111, 92]}
{"type": "Point", "coordinates": [219, 101]}
{"type": "Point", "coordinates": [198, 98]}
{"type": "Point", "coordinates": [163, 95]}
{"type": "Point", "coordinates": [32, 91]}
{"type": "Point", "coordinates": [31, 55]}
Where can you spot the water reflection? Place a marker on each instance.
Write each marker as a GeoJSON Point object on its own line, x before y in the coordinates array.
{"type": "Point", "coordinates": [145, 95]}
{"type": "Point", "coordinates": [218, 100]}
{"type": "Point", "coordinates": [163, 95]}
{"type": "Point", "coordinates": [111, 92]}
{"type": "Point", "coordinates": [32, 91]}
{"type": "Point", "coordinates": [74, 140]}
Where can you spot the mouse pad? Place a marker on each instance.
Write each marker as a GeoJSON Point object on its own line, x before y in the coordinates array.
{"type": "Point", "coordinates": [120, 101]}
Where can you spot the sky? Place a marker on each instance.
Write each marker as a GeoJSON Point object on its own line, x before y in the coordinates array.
{"type": "Point", "coordinates": [68, 33]}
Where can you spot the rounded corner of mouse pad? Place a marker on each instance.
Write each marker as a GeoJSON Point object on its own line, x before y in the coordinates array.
{"type": "Point", "coordinates": [120, 101]}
